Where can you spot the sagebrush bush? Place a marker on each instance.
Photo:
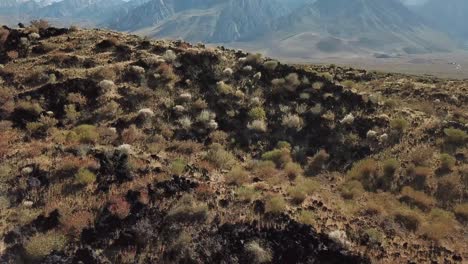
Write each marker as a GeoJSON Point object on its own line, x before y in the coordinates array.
{"type": "Point", "coordinates": [297, 194]}
{"type": "Point", "coordinates": [416, 198]}
{"type": "Point", "coordinates": [177, 166]}
{"type": "Point", "coordinates": [265, 169]}
{"type": "Point", "coordinates": [42, 244]}
{"type": "Point", "coordinates": [85, 176]}
{"type": "Point", "coordinates": [275, 204]}
{"type": "Point", "coordinates": [220, 157]}
{"type": "Point", "coordinates": [257, 113]}
{"type": "Point", "coordinates": [447, 162]}
{"type": "Point", "coordinates": [132, 135]}
{"type": "Point", "coordinates": [407, 218]}
{"type": "Point", "coordinates": [316, 163]}
{"type": "Point", "coordinates": [279, 156]}
{"type": "Point", "coordinates": [461, 211]}
{"type": "Point", "coordinates": [292, 121]}
{"type": "Point", "coordinates": [293, 170]}
{"type": "Point", "coordinates": [399, 124]}
{"type": "Point", "coordinates": [449, 188]}
{"type": "Point", "coordinates": [270, 65]}
{"type": "Point", "coordinates": [246, 194]}
{"type": "Point", "coordinates": [351, 189]}
{"type": "Point", "coordinates": [439, 224]}
{"type": "Point", "coordinates": [257, 253]}
{"type": "Point", "coordinates": [455, 136]}
{"type": "Point", "coordinates": [365, 171]}
{"type": "Point", "coordinates": [237, 176]}
{"type": "Point", "coordinates": [86, 134]}
{"type": "Point", "coordinates": [187, 209]}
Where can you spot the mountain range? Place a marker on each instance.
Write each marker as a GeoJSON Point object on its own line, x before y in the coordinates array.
{"type": "Point", "coordinates": [294, 27]}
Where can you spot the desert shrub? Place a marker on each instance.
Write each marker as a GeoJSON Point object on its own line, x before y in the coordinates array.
{"type": "Point", "coordinates": [307, 218]}
{"type": "Point", "coordinates": [278, 83]}
{"type": "Point", "coordinates": [292, 81]}
{"type": "Point", "coordinates": [439, 224]}
{"type": "Point", "coordinates": [41, 127]}
{"type": "Point", "coordinates": [420, 176]}
{"type": "Point", "coordinates": [399, 124]}
{"type": "Point", "coordinates": [187, 209]}
{"type": "Point", "coordinates": [374, 236]}
{"type": "Point", "coordinates": [86, 134]}
{"type": "Point", "coordinates": [364, 171]}
{"type": "Point", "coordinates": [254, 58]}
{"type": "Point", "coordinates": [257, 253]}
{"type": "Point", "coordinates": [407, 218]}
{"type": "Point", "coordinates": [461, 211]}
{"type": "Point", "coordinates": [270, 65]}
{"type": "Point", "coordinates": [309, 185]}
{"type": "Point", "coordinates": [224, 88]}
{"type": "Point", "coordinates": [292, 121]}
{"type": "Point", "coordinates": [297, 194]}
{"type": "Point", "coordinates": [30, 108]}
{"type": "Point", "coordinates": [40, 24]}
{"type": "Point", "coordinates": [219, 137]}
{"type": "Point", "coordinates": [351, 189]}
{"type": "Point", "coordinates": [421, 156]}
{"type": "Point", "coordinates": [119, 207]}
{"type": "Point", "coordinates": [71, 114]}
{"type": "Point", "coordinates": [205, 116]}
{"type": "Point", "coordinates": [257, 126]}
{"type": "Point", "coordinates": [279, 156]}
{"type": "Point", "coordinates": [74, 223]}
{"type": "Point", "coordinates": [257, 113]}
{"type": "Point", "coordinates": [455, 136]}
{"type": "Point", "coordinates": [275, 204]}
{"type": "Point", "coordinates": [237, 176]}
{"type": "Point", "coordinates": [264, 169]}
{"type": "Point", "coordinates": [85, 176]}
{"type": "Point", "coordinates": [246, 194]}
{"type": "Point", "coordinates": [220, 157]}
{"type": "Point", "coordinates": [447, 162]}
{"type": "Point", "coordinates": [315, 164]}
{"type": "Point", "coordinates": [389, 168]}
{"type": "Point", "coordinates": [42, 244]}
{"type": "Point", "coordinates": [293, 170]}
{"type": "Point", "coordinates": [448, 188]}
{"type": "Point", "coordinates": [416, 198]}
{"type": "Point", "coordinates": [132, 134]}
{"type": "Point", "coordinates": [177, 166]}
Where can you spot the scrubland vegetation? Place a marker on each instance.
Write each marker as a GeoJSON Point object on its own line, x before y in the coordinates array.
{"type": "Point", "coordinates": [119, 149]}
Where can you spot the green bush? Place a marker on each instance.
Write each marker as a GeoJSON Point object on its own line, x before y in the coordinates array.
{"type": "Point", "coordinates": [85, 176]}
{"type": "Point", "coordinates": [275, 204]}
{"type": "Point", "coordinates": [297, 194]}
{"type": "Point", "coordinates": [455, 136]}
{"type": "Point", "coordinates": [178, 167]}
{"type": "Point", "coordinates": [293, 170]}
{"type": "Point", "coordinates": [220, 157]}
{"type": "Point", "coordinates": [187, 209]}
{"type": "Point", "coordinates": [279, 156]}
{"type": "Point", "coordinates": [257, 113]}
{"type": "Point", "coordinates": [315, 164]}
{"type": "Point", "coordinates": [86, 134]}
{"type": "Point", "coordinates": [351, 189]}
{"type": "Point", "coordinates": [416, 198]}
{"type": "Point", "coordinates": [399, 124]}
{"type": "Point", "coordinates": [439, 224]}
{"type": "Point", "coordinates": [365, 171]}
{"type": "Point", "coordinates": [237, 176]}
{"type": "Point", "coordinates": [246, 194]}
{"type": "Point", "coordinates": [40, 245]}
{"type": "Point", "coordinates": [257, 253]}
{"type": "Point", "coordinates": [447, 162]}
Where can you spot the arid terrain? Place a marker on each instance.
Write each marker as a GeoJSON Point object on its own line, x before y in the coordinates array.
{"type": "Point", "coordinates": [120, 149]}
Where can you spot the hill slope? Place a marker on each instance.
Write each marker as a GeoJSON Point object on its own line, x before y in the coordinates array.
{"type": "Point", "coordinates": [117, 149]}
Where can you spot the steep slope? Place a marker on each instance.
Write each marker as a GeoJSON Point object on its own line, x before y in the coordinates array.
{"type": "Point", "coordinates": [449, 16]}
{"type": "Point", "coordinates": [201, 20]}
{"type": "Point", "coordinates": [336, 25]}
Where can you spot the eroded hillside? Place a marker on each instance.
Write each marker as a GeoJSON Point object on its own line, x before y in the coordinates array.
{"type": "Point", "coordinates": [118, 149]}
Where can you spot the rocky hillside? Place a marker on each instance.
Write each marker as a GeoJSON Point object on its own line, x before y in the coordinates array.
{"type": "Point", "coordinates": [118, 149]}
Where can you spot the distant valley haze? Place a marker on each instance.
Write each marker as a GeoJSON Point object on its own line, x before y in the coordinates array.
{"type": "Point", "coordinates": [362, 32]}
